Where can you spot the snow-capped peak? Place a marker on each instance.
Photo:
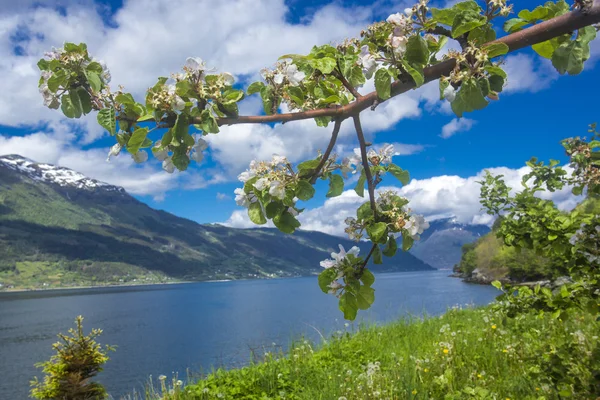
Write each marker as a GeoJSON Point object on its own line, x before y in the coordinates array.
{"type": "Point", "coordinates": [49, 173]}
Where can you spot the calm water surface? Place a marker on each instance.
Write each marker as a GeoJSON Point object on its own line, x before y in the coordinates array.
{"type": "Point", "coordinates": [171, 328]}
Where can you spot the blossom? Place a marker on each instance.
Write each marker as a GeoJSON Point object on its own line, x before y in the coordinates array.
{"type": "Point", "coordinates": [346, 167]}
{"type": "Point", "coordinates": [367, 61]}
{"type": "Point", "coordinates": [400, 20]}
{"type": "Point", "coordinates": [261, 184]}
{"type": "Point", "coordinates": [177, 102]}
{"type": "Point", "coordinates": [399, 43]}
{"type": "Point", "coordinates": [195, 64]}
{"type": "Point", "coordinates": [408, 12]}
{"type": "Point", "coordinates": [114, 151]}
{"type": "Point", "coordinates": [241, 198]}
{"type": "Point", "coordinates": [159, 152]}
{"type": "Point", "coordinates": [334, 287]}
{"type": "Point", "coordinates": [416, 225]}
{"type": "Point", "coordinates": [277, 160]}
{"type": "Point", "coordinates": [277, 190]}
{"type": "Point", "coordinates": [168, 165]}
{"type": "Point", "coordinates": [338, 258]}
{"type": "Point", "coordinates": [246, 176]}
{"type": "Point", "coordinates": [386, 153]}
{"type": "Point", "coordinates": [197, 149]}
{"type": "Point", "coordinates": [450, 93]}
{"type": "Point", "coordinates": [228, 78]}
{"type": "Point", "coordinates": [140, 157]}
{"type": "Point", "coordinates": [292, 74]}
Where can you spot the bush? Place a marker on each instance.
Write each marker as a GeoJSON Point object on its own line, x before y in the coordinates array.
{"type": "Point", "coordinates": [78, 358]}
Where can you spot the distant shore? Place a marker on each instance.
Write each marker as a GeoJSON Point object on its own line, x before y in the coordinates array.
{"type": "Point", "coordinates": [124, 285]}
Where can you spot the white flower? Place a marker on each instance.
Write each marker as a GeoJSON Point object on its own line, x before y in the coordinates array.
{"type": "Point", "coordinates": [160, 153]}
{"type": "Point", "coordinates": [140, 157]}
{"type": "Point", "coordinates": [399, 44]}
{"type": "Point", "coordinates": [246, 176]}
{"type": "Point", "coordinates": [386, 153]}
{"type": "Point", "coordinates": [416, 225]}
{"type": "Point", "coordinates": [196, 156]}
{"type": "Point", "coordinates": [261, 184]}
{"type": "Point", "coordinates": [277, 160]}
{"type": "Point", "coordinates": [293, 75]}
{"type": "Point", "coordinates": [334, 287]}
{"type": "Point", "coordinates": [328, 263]}
{"type": "Point", "coordinates": [368, 62]}
{"type": "Point", "coordinates": [450, 93]}
{"type": "Point", "coordinates": [278, 78]}
{"type": "Point", "coordinates": [168, 165]}
{"type": "Point", "coordinates": [241, 198]}
{"type": "Point", "coordinates": [338, 258]}
{"type": "Point", "coordinates": [346, 167]}
{"type": "Point", "coordinates": [408, 12]}
{"type": "Point", "coordinates": [176, 102]}
{"type": "Point", "coordinates": [277, 190]}
{"type": "Point", "coordinates": [228, 78]}
{"type": "Point", "coordinates": [114, 151]}
{"type": "Point", "coordinates": [399, 19]}
{"type": "Point", "coordinates": [371, 154]}
{"type": "Point", "coordinates": [194, 64]}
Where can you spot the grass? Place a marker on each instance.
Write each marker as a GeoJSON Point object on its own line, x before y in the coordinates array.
{"type": "Point", "coordinates": [464, 354]}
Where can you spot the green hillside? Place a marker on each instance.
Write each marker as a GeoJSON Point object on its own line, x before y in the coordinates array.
{"type": "Point", "coordinates": [66, 235]}
{"type": "Point", "coordinates": [488, 259]}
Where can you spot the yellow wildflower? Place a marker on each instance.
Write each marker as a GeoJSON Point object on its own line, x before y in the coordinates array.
{"type": "Point", "coordinates": [494, 326]}
{"type": "Point", "coordinates": [414, 391]}
{"type": "Point", "coordinates": [446, 351]}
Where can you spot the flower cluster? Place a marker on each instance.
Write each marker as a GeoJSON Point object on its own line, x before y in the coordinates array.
{"type": "Point", "coordinates": [161, 153]}
{"type": "Point", "coordinates": [266, 177]}
{"type": "Point", "coordinates": [71, 68]}
{"type": "Point", "coordinates": [499, 7]}
{"type": "Point", "coordinates": [403, 26]}
{"type": "Point", "coordinates": [285, 73]}
{"type": "Point", "coordinates": [392, 209]}
{"type": "Point", "coordinates": [165, 98]}
{"type": "Point", "coordinates": [342, 263]}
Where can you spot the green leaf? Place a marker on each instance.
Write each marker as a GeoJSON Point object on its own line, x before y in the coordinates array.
{"type": "Point", "coordinates": [305, 191]}
{"type": "Point", "coordinates": [496, 83]}
{"type": "Point", "coordinates": [407, 242]}
{"type": "Point", "coordinates": [208, 123]}
{"type": "Point", "coordinates": [466, 21]}
{"type": "Point", "coordinates": [107, 119]}
{"type": "Point", "coordinates": [482, 34]}
{"type": "Point", "coordinates": [497, 285]}
{"type": "Point", "coordinates": [326, 64]}
{"type": "Point", "coordinates": [469, 98]}
{"type": "Point", "coordinates": [266, 93]}
{"type": "Point", "coordinates": [391, 247]}
{"type": "Point", "coordinates": [364, 211]}
{"type": "Point", "coordinates": [493, 70]}
{"type": "Point", "coordinates": [496, 49]}
{"type": "Point", "coordinates": [69, 108]}
{"type": "Point", "coordinates": [514, 25]}
{"type": "Point", "coordinates": [256, 214]}
{"type": "Point", "coordinates": [377, 255]}
{"type": "Point", "coordinates": [322, 121]}
{"type": "Point", "coordinates": [286, 222]}
{"type": "Point", "coordinates": [365, 297]}
{"type": "Point", "coordinates": [125, 98]}
{"type": "Point", "coordinates": [356, 77]}
{"type": "Point", "coordinates": [43, 64]}
{"type": "Point", "coordinates": [232, 96]}
{"type": "Point", "coordinates": [94, 80]}
{"type": "Point", "coordinates": [180, 160]}
{"type": "Point", "coordinates": [255, 87]}
{"type": "Point", "coordinates": [417, 52]}
{"type": "Point", "coordinates": [383, 83]}
{"type": "Point", "coordinates": [400, 174]}
{"type": "Point", "coordinates": [377, 231]}
{"type": "Point", "coordinates": [296, 94]}
{"type": "Point", "coordinates": [325, 279]}
{"type": "Point", "coordinates": [84, 99]}
{"type": "Point", "coordinates": [545, 49]}
{"type": "Point", "coordinates": [274, 208]}
{"type": "Point", "coordinates": [367, 277]}
{"type": "Point", "coordinates": [136, 140]}
{"type": "Point", "coordinates": [540, 12]}
{"type": "Point", "coordinates": [360, 185]}
{"type": "Point", "coordinates": [568, 58]}
{"type": "Point", "coordinates": [415, 73]}
{"type": "Point", "coordinates": [180, 129]}
{"type": "Point", "coordinates": [348, 305]}
{"type": "Point", "coordinates": [336, 185]}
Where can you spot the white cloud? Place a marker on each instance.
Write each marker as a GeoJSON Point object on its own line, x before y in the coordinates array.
{"type": "Point", "coordinates": [455, 126]}
{"type": "Point", "coordinates": [223, 196]}
{"type": "Point", "coordinates": [527, 73]}
{"type": "Point", "coordinates": [436, 197]}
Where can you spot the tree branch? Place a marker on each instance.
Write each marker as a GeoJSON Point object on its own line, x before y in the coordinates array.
{"type": "Point", "coordinates": [347, 85]}
{"type": "Point", "coordinates": [365, 162]}
{"type": "Point", "coordinates": [325, 157]}
{"type": "Point", "coordinates": [535, 34]}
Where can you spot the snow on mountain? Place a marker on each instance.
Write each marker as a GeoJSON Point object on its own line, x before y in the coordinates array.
{"type": "Point", "coordinates": [48, 173]}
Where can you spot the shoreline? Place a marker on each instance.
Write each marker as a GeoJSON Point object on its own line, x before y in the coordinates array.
{"type": "Point", "coordinates": [20, 290]}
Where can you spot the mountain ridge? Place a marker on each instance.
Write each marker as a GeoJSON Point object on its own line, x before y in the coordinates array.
{"type": "Point", "coordinates": [61, 228]}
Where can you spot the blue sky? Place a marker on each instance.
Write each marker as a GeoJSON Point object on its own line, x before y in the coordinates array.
{"type": "Point", "coordinates": [537, 110]}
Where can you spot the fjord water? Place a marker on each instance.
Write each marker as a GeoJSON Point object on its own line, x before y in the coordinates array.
{"type": "Point", "coordinates": [170, 328]}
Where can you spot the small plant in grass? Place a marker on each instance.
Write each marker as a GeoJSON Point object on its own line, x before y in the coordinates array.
{"type": "Point", "coordinates": [78, 359]}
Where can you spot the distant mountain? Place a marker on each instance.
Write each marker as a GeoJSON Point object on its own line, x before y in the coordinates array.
{"type": "Point", "coordinates": [61, 228]}
{"type": "Point", "coordinates": [440, 245]}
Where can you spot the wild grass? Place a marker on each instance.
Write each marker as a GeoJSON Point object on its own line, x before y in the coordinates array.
{"type": "Point", "coordinates": [464, 354]}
